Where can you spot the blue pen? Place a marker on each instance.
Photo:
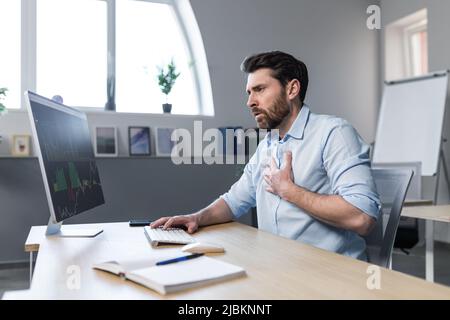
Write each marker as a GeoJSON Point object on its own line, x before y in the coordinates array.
{"type": "Point", "coordinates": [191, 256]}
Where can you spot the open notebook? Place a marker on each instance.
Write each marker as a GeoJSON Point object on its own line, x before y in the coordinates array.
{"type": "Point", "coordinates": [175, 276]}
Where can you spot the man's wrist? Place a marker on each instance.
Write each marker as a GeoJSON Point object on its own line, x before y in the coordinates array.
{"type": "Point", "coordinates": [291, 193]}
{"type": "Point", "coordinates": [198, 217]}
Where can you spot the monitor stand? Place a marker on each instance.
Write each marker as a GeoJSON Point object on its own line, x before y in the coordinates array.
{"type": "Point", "coordinates": [56, 229]}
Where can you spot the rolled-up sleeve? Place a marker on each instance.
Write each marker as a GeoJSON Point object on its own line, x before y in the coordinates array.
{"type": "Point", "coordinates": [242, 195]}
{"type": "Point", "coordinates": [346, 160]}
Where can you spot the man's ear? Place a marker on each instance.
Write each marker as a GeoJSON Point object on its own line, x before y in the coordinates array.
{"type": "Point", "coordinates": [293, 89]}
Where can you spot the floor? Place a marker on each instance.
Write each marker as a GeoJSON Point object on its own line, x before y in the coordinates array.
{"type": "Point", "coordinates": [414, 263]}
{"type": "Point", "coordinates": [16, 277]}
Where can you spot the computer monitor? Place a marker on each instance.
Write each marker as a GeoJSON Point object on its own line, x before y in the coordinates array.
{"type": "Point", "coordinates": [66, 159]}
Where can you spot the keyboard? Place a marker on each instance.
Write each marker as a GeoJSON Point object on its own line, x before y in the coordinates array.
{"type": "Point", "coordinates": [159, 236]}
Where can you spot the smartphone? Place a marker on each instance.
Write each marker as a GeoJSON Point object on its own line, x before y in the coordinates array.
{"type": "Point", "coordinates": [140, 222]}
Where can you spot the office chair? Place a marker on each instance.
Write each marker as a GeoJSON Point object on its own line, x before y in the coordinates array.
{"type": "Point", "coordinates": [392, 185]}
{"type": "Point", "coordinates": [408, 229]}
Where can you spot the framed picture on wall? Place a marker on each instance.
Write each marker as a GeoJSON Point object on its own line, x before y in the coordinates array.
{"type": "Point", "coordinates": [106, 142]}
{"type": "Point", "coordinates": [21, 145]}
{"type": "Point", "coordinates": [139, 141]}
{"type": "Point", "coordinates": [164, 143]}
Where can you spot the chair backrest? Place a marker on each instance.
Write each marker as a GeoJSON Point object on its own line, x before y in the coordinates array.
{"type": "Point", "coordinates": [415, 186]}
{"type": "Point", "coordinates": [392, 186]}
{"type": "Point", "coordinates": [408, 228]}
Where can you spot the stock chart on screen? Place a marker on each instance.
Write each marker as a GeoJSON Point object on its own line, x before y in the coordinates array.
{"type": "Point", "coordinates": [66, 148]}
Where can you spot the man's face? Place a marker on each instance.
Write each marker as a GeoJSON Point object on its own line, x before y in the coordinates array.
{"type": "Point", "coordinates": [266, 99]}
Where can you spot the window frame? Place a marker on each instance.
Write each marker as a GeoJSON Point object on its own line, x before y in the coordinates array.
{"type": "Point", "coordinates": [29, 60]}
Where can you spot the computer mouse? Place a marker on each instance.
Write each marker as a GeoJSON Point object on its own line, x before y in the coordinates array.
{"type": "Point", "coordinates": [203, 247]}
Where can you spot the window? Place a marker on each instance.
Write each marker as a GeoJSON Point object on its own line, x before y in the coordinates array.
{"type": "Point", "coordinates": [416, 48]}
{"type": "Point", "coordinates": [10, 52]}
{"type": "Point", "coordinates": [71, 51]}
{"type": "Point", "coordinates": [82, 50]}
{"type": "Point", "coordinates": [406, 47]}
{"type": "Point", "coordinates": [156, 40]}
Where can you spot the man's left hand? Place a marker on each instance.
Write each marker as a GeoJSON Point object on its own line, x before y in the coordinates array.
{"type": "Point", "coordinates": [280, 181]}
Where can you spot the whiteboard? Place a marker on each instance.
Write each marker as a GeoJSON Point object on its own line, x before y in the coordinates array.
{"type": "Point", "coordinates": [410, 122]}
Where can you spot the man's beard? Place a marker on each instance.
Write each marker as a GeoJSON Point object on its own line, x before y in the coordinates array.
{"type": "Point", "coordinates": [278, 112]}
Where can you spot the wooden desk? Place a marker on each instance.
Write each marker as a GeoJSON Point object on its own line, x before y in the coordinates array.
{"type": "Point", "coordinates": [277, 268]}
{"type": "Point", "coordinates": [429, 214]}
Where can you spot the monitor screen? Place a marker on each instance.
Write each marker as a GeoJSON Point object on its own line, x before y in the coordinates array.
{"type": "Point", "coordinates": [66, 157]}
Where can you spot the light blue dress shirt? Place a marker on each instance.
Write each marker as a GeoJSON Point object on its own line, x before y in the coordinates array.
{"type": "Point", "coordinates": [328, 157]}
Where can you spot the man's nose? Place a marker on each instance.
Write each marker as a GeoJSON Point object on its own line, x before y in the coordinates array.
{"type": "Point", "coordinates": [251, 102]}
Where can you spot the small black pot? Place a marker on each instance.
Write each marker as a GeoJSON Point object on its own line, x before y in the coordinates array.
{"type": "Point", "coordinates": [167, 107]}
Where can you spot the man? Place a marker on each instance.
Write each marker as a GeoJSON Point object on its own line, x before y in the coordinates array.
{"type": "Point", "coordinates": [310, 182]}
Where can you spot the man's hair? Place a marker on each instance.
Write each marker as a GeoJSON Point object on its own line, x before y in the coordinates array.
{"type": "Point", "coordinates": [284, 68]}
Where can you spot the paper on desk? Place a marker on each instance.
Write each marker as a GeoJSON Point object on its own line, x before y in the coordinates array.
{"type": "Point", "coordinates": [187, 273]}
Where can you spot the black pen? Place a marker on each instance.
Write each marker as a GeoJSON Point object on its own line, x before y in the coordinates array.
{"type": "Point", "coordinates": [191, 256]}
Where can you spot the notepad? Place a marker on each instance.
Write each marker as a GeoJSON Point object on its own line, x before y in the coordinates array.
{"type": "Point", "coordinates": [173, 277]}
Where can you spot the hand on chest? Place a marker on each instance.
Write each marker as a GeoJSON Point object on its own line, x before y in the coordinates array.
{"type": "Point", "coordinates": [305, 164]}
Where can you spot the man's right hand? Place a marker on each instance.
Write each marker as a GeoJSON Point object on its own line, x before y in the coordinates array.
{"type": "Point", "coordinates": [216, 212]}
{"type": "Point", "coordinates": [191, 222]}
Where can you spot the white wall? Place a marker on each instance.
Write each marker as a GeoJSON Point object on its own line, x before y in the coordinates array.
{"type": "Point", "coordinates": [329, 36]}
{"type": "Point", "coordinates": [439, 59]}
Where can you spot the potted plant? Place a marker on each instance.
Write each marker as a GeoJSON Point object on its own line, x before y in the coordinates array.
{"type": "Point", "coordinates": [166, 80]}
{"type": "Point", "coordinates": [2, 96]}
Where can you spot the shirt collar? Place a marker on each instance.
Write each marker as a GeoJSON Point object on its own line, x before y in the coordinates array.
{"type": "Point", "coordinates": [297, 129]}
